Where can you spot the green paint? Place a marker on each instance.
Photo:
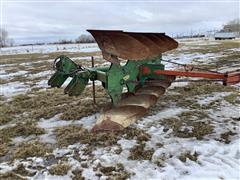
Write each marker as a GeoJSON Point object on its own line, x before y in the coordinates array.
{"type": "Point", "coordinates": [113, 78]}
{"type": "Point", "coordinates": [65, 67]}
{"type": "Point", "coordinates": [131, 70]}
{"type": "Point", "coordinates": [76, 86]}
{"type": "Point", "coordinates": [114, 82]}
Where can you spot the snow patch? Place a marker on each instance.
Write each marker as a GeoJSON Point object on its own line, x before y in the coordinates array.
{"type": "Point", "coordinates": [88, 47]}
{"type": "Point", "coordinates": [13, 89]}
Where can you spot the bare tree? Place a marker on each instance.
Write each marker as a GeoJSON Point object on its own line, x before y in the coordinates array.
{"type": "Point", "coordinates": [3, 37]}
{"type": "Point", "coordinates": [64, 41]}
{"type": "Point", "coordinates": [10, 42]}
{"type": "Point", "coordinates": [85, 39]}
{"type": "Point", "coordinates": [232, 26]}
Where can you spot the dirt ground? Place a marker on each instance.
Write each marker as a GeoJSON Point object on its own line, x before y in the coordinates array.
{"type": "Point", "coordinates": [194, 127]}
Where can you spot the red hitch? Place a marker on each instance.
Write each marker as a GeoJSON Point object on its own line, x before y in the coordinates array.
{"type": "Point", "coordinates": [232, 78]}
{"type": "Point", "coordinates": [228, 78]}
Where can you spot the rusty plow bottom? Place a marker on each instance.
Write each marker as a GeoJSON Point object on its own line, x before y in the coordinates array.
{"type": "Point", "coordinates": [130, 108]}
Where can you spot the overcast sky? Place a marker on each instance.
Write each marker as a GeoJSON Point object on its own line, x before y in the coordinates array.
{"type": "Point", "coordinates": [50, 20]}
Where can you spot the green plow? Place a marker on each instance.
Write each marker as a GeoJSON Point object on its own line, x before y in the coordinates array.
{"type": "Point", "coordinates": [143, 52]}
{"type": "Point", "coordinates": [114, 78]}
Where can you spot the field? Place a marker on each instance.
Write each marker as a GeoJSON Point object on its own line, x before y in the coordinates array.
{"type": "Point", "coordinates": [192, 132]}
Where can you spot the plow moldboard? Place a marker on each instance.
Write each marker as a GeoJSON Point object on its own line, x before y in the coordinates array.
{"type": "Point", "coordinates": [132, 46]}
{"type": "Point", "coordinates": [128, 110]}
{"type": "Point", "coordinates": [119, 118]}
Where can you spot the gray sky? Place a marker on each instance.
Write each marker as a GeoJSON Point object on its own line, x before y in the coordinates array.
{"type": "Point", "coordinates": [49, 20]}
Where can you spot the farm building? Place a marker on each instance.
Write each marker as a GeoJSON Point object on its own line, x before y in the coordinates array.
{"type": "Point", "coordinates": [224, 35]}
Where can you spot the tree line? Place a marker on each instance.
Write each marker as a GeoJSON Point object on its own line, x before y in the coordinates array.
{"type": "Point", "coordinates": [232, 26]}
{"type": "Point", "coordinates": [84, 38]}
{"type": "Point", "coordinates": [4, 39]}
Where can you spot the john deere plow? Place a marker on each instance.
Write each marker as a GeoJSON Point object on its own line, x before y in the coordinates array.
{"type": "Point", "coordinates": [143, 74]}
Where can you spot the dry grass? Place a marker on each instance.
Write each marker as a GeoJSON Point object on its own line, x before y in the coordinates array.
{"type": "Point", "coordinates": [35, 63]}
{"type": "Point", "coordinates": [21, 58]}
{"type": "Point", "coordinates": [77, 174]}
{"type": "Point", "coordinates": [20, 129]}
{"type": "Point", "coordinates": [19, 78]}
{"type": "Point", "coordinates": [187, 96]}
{"type": "Point", "coordinates": [11, 176]}
{"type": "Point", "coordinates": [202, 88]}
{"type": "Point", "coordinates": [3, 149]}
{"type": "Point", "coordinates": [225, 137]}
{"type": "Point", "coordinates": [137, 134]}
{"type": "Point", "coordinates": [72, 134]}
{"type": "Point", "coordinates": [59, 169]}
{"type": "Point", "coordinates": [46, 104]}
{"type": "Point", "coordinates": [83, 108]}
{"type": "Point", "coordinates": [229, 59]}
{"type": "Point", "coordinates": [6, 113]}
{"type": "Point", "coordinates": [2, 98]}
{"type": "Point", "coordinates": [226, 58]}
{"type": "Point", "coordinates": [193, 115]}
{"type": "Point", "coordinates": [188, 155]}
{"type": "Point", "coordinates": [113, 172]}
{"type": "Point", "coordinates": [31, 149]}
{"type": "Point", "coordinates": [212, 48]}
{"type": "Point", "coordinates": [161, 159]}
{"type": "Point", "coordinates": [21, 170]}
{"type": "Point", "coordinates": [233, 98]}
{"type": "Point", "coordinates": [189, 124]}
{"type": "Point", "coordinates": [25, 58]}
{"type": "Point", "coordinates": [138, 152]}
{"type": "Point", "coordinates": [3, 81]}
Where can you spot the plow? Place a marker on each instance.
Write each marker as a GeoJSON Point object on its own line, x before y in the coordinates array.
{"type": "Point", "coordinates": [135, 78]}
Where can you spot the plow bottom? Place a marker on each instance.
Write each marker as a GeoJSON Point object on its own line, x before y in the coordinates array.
{"type": "Point", "coordinates": [130, 108]}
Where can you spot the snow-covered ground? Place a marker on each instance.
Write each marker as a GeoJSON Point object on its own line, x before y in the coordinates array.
{"type": "Point", "coordinates": [88, 47]}
{"type": "Point", "coordinates": [173, 157]}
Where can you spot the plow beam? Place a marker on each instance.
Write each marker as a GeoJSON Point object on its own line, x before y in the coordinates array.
{"type": "Point", "coordinates": [227, 78]}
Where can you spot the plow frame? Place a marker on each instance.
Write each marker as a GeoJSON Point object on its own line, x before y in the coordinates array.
{"type": "Point", "coordinates": [113, 78]}
{"type": "Point", "coordinates": [228, 78]}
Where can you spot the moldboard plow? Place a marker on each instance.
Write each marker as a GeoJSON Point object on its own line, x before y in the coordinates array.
{"type": "Point", "coordinates": [143, 74]}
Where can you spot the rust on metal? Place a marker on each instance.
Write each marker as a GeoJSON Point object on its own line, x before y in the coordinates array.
{"type": "Point", "coordinates": [232, 78]}
{"type": "Point", "coordinates": [152, 90]}
{"type": "Point", "coordinates": [227, 78]}
{"type": "Point", "coordinates": [191, 74]}
{"type": "Point", "coordinates": [155, 82]}
{"type": "Point", "coordinates": [107, 125]}
{"type": "Point", "coordinates": [132, 46]}
{"type": "Point", "coordinates": [143, 100]}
